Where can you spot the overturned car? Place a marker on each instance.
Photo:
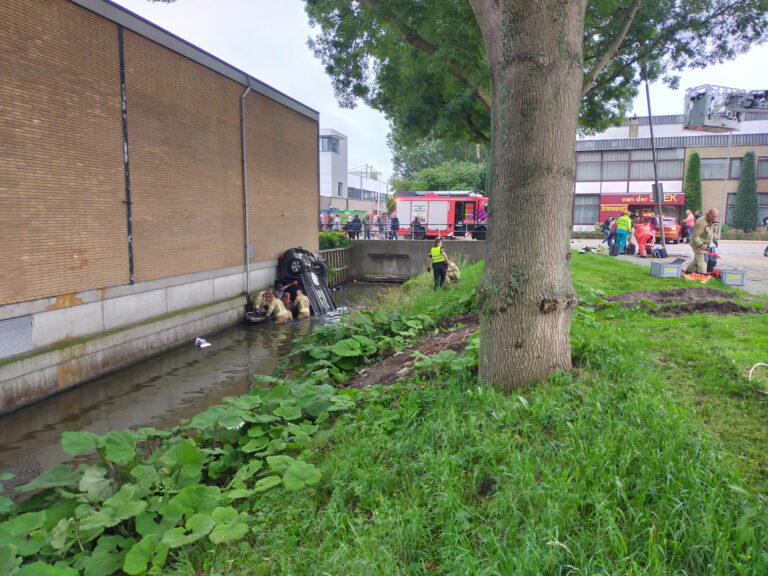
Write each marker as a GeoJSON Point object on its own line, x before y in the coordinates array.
{"type": "Point", "coordinates": [299, 269]}
{"type": "Point", "coordinates": [301, 265]}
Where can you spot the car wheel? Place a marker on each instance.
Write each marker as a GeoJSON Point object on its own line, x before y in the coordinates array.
{"type": "Point", "coordinates": [295, 266]}
{"type": "Point", "coordinates": [479, 234]}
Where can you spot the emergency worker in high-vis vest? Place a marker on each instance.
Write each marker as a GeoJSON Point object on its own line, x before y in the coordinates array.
{"type": "Point", "coordinates": [438, 261]}
{"type": "Point", "coordinates": [277, 309]}
{"type": "Point", "coordinates": [623, 228]}
{"type": "Point", "coordinates": [702, 236]}
{"type": "Point", "coordinates": [302, 305]}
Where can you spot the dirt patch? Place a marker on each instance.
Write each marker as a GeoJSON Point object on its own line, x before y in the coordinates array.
{"type": "Point", "coordinates": [486, 488]}
{"type": "Point", "coordinates": [400, 364]}
{"type": "Point", "coordinates": [683, 301]}
{"type": "Point", "coordinates": [692, 295]}
{"type": "Point", "coordinates": [707, 307]}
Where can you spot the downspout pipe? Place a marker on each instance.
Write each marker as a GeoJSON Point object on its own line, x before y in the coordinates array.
{"type": "Point", "coordinates": [245, 193]}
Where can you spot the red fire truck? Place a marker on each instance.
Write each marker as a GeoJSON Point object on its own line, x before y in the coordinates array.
{"type": "Point", "coordinates": [445, 214]}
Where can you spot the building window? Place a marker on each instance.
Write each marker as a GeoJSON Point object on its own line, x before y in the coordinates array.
{"type": "Point", "coordinates": [762, 168]}
{"type": "Point", "coordinates": [588, 167]}
{"type": "Point", "coordinates": [615, 165]}
{"type": "Point", "coordinates": [586, 208]}
{"type": "Point", "coordinates": [712, 168]}
{"type": "Point", "coordinates": [340, 189]}
{"type": "Point", "coordinates": [329, 144]}
{"type": "Point", "coordinates": [735, 171]}
{"type": "Point", "coordinates": [762, 208]}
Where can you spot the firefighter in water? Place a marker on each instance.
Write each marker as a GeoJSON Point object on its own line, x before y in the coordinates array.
{"type": "Point", "coordinates": [262, 300]}
{"type": "Point", "coordinates": [302, 305]}
{"type": "Point", "coordinates": [437, 260]}
{"type": "Point", "coordinates": [277, 309]}
{"type": "Point", "coordinates": [702, 237]}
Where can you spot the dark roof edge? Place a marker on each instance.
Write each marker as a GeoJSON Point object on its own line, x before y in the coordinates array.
{"type": "Point", "coordinates": [139, 25]}
{"type": "Point", "coordinates": [680, 119]}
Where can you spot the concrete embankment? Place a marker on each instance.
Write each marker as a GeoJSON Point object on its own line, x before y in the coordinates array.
{"type": "Point", "coordinates": [52, 344]}
{"type": "Point", "coordinates": [399, 260]}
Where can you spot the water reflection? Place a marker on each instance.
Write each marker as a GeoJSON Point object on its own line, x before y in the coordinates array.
{"type": "Point", "coordinates": [157, 392]}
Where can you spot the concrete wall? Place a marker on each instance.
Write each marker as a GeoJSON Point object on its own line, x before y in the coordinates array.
{"type": "Point", "coordinates": [36, 377]}
{"type": "Point", "coordinates": [399, 260]}
{"type": "Point", "coordinates": [79, 338]}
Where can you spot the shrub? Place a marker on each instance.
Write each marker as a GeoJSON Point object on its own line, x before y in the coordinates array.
{"type": "Point", "coordinates": [330, 240]}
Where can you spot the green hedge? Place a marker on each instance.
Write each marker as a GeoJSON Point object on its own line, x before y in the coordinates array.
{"type": "Point", "coordinates": [330, 240]}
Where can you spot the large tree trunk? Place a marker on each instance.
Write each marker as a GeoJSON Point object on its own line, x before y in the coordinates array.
{"type": "Point", "coordinates": [526, 298]}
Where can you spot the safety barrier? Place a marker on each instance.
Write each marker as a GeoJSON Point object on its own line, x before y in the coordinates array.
{"type": "Point", "coordinates": [338, 265]}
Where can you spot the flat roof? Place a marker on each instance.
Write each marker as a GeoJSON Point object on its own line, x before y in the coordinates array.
{"type": "Point", "coordinates": [694, 141]}
{"type": "Point", "coordinates": [139, 25]}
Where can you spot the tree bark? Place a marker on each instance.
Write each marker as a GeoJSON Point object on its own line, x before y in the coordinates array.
{"type": "Point", "coordinates": [525, 298]}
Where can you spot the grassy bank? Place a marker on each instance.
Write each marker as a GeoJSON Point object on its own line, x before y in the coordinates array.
{"type": "Point", "coordinates": [647, 459]}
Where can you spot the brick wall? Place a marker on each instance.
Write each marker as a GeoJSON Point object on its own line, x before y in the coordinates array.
{"type": "Point", "coordinates": [62, 220]}
{"type": "Point", "coordinates": [62, 189]}
{"type": "Point", "coordinates": [283, 201]}
{"type": "Point", "coordinates": [184, 148]}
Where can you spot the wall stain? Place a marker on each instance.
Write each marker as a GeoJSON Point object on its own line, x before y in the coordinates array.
{"type": "Point", "coordinates": [68, 373]}
{"type": "Point", "coordinates": [65, 301]}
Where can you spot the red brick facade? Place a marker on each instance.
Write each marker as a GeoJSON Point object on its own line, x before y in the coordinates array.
{"type": "Point", "coordinates": [63, 223]}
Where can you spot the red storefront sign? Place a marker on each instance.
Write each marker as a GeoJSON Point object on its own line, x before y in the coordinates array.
{"type": "Point", "coordinates": [617, 204]}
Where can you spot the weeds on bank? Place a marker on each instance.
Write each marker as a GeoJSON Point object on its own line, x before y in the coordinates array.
{"type": "Point", "coordinates": [604, 471]}
{"type": "Point", "coordinates": [608, 470]}
{"type": "Point", "coordinates": [611, 469]}
{"type": "Point", "coordinates": [153, 493]}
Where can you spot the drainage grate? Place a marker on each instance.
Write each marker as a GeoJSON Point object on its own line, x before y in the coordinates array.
{"type": "Point", "coordinates": [15, 336]}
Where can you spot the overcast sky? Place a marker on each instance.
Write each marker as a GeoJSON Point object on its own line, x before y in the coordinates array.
{"type": "Point", "coordinates": [268, 40]}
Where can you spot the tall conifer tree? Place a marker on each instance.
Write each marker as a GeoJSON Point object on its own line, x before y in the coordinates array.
{"type": "Point", "coordinates": [745, 207]}
{"type": "Point", "coordinates": [692, 185]}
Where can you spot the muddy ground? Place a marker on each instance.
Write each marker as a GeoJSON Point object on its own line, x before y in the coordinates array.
{"type": "Point", "coordinates": [454, 334]}
{"type": "Point", "coordinates": [682, 301]}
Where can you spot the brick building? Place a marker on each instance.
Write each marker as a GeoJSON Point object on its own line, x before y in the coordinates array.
{"type": "Point", "coordinates": [614, 169]}
{"type": "Point", "coordinates": [127, 157]}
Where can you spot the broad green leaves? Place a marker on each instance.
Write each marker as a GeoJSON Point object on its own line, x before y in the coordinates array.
{"type": "Point", "coordinates": [300, 474]}
{"type": "Point", "coordinates": [152, 491]}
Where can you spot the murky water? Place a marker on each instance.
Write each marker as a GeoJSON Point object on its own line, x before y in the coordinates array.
{"type": "Point", "coordinates": [157, 392]}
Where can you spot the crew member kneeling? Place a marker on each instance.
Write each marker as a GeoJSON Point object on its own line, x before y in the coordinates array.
{"type": "Point", "coordinates": [704, 231]}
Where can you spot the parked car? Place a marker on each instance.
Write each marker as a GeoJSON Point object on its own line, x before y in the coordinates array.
{"type": "Point", "coordinates": [673, 231]}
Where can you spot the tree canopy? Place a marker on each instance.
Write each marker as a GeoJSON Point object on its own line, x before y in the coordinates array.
{"type": "Point", "coordinates": [423, 63]}
{"type": "Point", "coordinates": [448, 175]}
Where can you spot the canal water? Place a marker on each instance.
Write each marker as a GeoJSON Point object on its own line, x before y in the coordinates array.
{"type": "Point", "coordinates": [158, 392]}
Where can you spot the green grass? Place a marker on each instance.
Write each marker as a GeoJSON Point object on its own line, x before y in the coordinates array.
{"type": "Point", "coordinates": [649, 458]}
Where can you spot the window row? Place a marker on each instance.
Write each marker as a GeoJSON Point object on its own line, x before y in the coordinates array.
{"type": "Point", "coordinates": [629, 165]}
{"type": "Point", "coordinates": [714, 168]}
{"type": "Point", "coordinates": [357, 194]}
